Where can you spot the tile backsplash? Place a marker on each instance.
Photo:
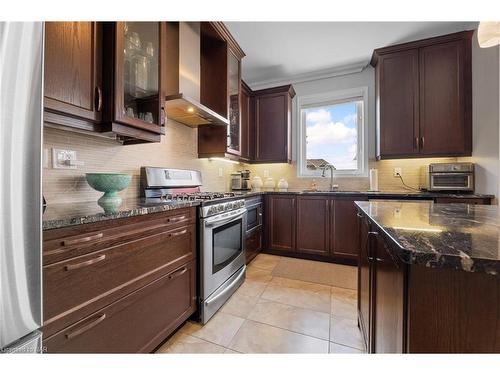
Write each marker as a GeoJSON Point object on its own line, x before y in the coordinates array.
{"type": "Point", "coordinates": [178, 149]}
{"type": "Point", "coordinates": [410, 170]}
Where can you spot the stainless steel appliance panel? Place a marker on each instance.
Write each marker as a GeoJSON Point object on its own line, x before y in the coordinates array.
{"type": "Point", "coordinates": [21, 56]}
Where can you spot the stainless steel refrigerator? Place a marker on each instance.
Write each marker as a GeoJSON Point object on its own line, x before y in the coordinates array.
{"type": "Point", "coordinates": [21, 51]}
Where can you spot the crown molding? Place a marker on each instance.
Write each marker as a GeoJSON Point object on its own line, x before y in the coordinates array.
{"type": "Point", "coordinates": [310, 76]}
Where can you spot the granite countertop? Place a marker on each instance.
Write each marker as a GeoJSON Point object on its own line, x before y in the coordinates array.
{"type": "Point", "coordinates": [383, 194]}
{"type": "Point", "coordinates": [458, 236]}
{"type": "Point", "coordinates": [67, 214]}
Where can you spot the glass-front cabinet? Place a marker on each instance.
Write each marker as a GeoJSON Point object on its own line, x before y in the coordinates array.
{"type": "Point", "coordinates": [138, 100]}
{"type": "Point", "coordinates": [234, 84]}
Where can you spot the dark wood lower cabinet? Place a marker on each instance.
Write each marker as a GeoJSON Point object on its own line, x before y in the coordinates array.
{"type": "Point", "coordinates": [136, 323]}
{"type": "Point", "coordinates": [313, 225]}
{"type": "Point", "coordinates": [120, 285]}
{"type": "Point", "coordinates": [280, 222]}
{"type": "Point", "coordinates": [254, 245]}
{"type": "Point", "coordinates": [344, 239]}
{"type": "Point", "coordinates": [389, 287]}
{"type": "Point", "coordinates": [416, 309]}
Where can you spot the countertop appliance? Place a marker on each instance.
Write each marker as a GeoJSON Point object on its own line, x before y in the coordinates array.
{"type": "Point", "coordinates": [241, 180]}
{"type": "Point", "coordinates": [448, 177]}
{"type": "Point", "coordinates": [21, 56]}
{"type": "Point", "coordinates": [222, 227]}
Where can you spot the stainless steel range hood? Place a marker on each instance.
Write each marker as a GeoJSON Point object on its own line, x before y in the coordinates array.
{"type": "Point", "coordinates": [182, 104]}
{"type": "Point", "coordinates": [190, 112]}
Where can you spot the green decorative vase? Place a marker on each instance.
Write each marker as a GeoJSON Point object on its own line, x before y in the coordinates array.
{"type": "Point", "coordinates": [110, 184]}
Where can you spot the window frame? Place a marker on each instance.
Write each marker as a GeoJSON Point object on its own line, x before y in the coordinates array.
{"type": "Point", "coordinates": [332, 98]}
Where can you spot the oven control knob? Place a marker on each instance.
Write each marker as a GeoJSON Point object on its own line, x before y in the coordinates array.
{"type": "Point", "coordinates": [220, 207]}
{"type": "Point", "coordinates": [228, 206]}
{"type": "Point", "coordinates": [211, 210]}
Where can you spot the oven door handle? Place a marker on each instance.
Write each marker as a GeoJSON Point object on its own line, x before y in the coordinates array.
{"type": "Point", "coordinates": [227, 289]}
{"type": "Point", "coordinates": [225, 219]}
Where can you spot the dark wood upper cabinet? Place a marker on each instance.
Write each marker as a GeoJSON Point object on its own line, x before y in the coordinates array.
{"type": "Point", "coordinates": [73, 74]}
{"type": "Point", "coordinates": [397, 88]}
{"type": "Point", "coordinates": [133, 57]}
{"type": "Point", "coordinates": [247, 128]}
{"type": "Point", "coordinates": [313, 221]}
{"type": "Point", "coordinates": [424, 97]}
{"type": "Point", "coordinates": [220, 90]}
{"type": "Point", "coordinates": [445, 99]}
{"type": "Point", "coordinates": [280, 222]}
{"type": "Point", "coordinates": [273, 117]}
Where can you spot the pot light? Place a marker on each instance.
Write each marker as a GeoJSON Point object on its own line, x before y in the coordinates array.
{"type": "Point", "coordinates": [190, 110]}
{"type": "Point", "coordinates": [488, 34]}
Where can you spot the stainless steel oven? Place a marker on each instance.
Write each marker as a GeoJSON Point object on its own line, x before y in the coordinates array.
{"type": "Point", "coordinates": [254, 214]}
{"type": "Point", "coordinates": [449, 177]}
{"type": "Point", "coordinates": [222, 250]}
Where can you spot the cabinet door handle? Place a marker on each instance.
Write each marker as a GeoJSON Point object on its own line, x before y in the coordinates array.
{"type": "Point", "coordinates": [89, 262]}
{"type": "Point", "coordinates": [422, 142]}
{"type": "Point", "coordinates": [82, 240]}
{"type": "Point", "coordinates": [98, 98]}
{"type": "Point", "coordinates": [177, 273]}
{"type": "Point", "coordinates": [176, 219]}
{"type": "Point", "coordinates": [415, 145]}
{"type": "Point", "coordinates": [86, 327]}
{"type": "Point", "coordinates": [179, 233]}
{"type": "Point", "coordinates": [359, 215]}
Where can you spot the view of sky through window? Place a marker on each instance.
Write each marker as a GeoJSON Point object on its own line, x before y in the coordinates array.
{"type": "Point", "coordinates": [332, 136]}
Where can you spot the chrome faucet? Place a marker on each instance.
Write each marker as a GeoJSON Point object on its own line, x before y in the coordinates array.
{"type": "Point", "coordinates": [331, 168]}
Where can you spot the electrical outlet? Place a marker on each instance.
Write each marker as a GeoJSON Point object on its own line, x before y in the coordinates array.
{"type": "Point", "coordinates": [220, 172]}
{"type": "Point", "coordinates": [61, 159]}
{"type": "Point", "coordinates": [266, 173]}
{"type": "Point", "coordinates": [397, 172]}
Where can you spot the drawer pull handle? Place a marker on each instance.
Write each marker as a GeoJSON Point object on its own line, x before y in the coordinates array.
{"type": "Point", "coordinates": [180, 233]}
{"type": "Point", "coordinates": [89, 262]}
{"type": "Point", "coordinates": [85, 328]}
{"type": "Point", "coordinates": [176, 219]}
{"type": "Point", "coordinates": [82, 240]}
{"type": "Point", "coordinates": [177, 273]}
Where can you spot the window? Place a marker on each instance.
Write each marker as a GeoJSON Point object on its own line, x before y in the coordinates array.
{"type": "Point", "coordinates": [331, 131]}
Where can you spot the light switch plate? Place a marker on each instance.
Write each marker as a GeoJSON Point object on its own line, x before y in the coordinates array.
{"type": "Point", "coordinates": [60, 157]}
{"type": "Point", "coordinates": [46, 158]}
{"type": "Point", "coordinates": [397, 172]}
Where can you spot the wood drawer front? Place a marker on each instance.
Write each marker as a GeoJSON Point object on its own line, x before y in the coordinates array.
{"type": "Point", "coordinates": [136, 323]}
{"type": "Point", "coordinates": [77, 287]}
{"type": "Point", "coordinates": [69, 242]}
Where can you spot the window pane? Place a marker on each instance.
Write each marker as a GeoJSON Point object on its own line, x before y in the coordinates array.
{"type": "Point", "coordinates": [332, 136]}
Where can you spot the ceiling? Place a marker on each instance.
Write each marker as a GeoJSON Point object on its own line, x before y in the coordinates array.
{"type": "Point", "coordinates": [298, 51]}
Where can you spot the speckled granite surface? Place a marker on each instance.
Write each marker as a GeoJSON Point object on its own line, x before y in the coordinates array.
{"type": "Point", "coordinates": [458, 236]}
{"type": "Point", "coordinates": [64, 215]}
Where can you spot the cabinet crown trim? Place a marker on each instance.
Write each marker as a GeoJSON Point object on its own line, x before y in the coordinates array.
{"type": "Point", "coordinates": [419, 43]}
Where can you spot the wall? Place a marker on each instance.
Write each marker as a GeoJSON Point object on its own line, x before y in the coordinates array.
{"type": "Point", "coordinates": [485, 64]}
{"type": "Point", "coordinates": [178, 149]}
{"type": "Point", "coordinates": [485, 117]}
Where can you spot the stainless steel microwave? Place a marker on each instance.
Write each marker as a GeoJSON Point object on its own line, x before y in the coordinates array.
{"type": "Point", "coordinates": [448, 177]}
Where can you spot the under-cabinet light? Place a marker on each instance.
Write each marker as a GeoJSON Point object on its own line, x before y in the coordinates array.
{"type": "Point", "coordinates": [225, 160]}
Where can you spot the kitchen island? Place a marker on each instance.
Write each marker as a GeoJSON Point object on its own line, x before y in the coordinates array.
{"type": "Point", "coordinates": [428, 277]}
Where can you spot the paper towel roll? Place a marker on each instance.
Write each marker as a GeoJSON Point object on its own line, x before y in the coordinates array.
{"type": "Point", "coordinates": [374, 179]}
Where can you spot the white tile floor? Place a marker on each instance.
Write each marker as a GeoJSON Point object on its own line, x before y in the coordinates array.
{"type": "Point", "coordinates": [279, 310]}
